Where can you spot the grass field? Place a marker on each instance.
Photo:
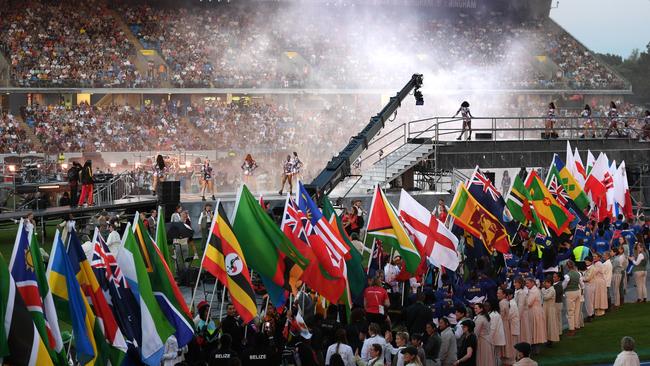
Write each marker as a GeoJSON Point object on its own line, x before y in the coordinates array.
{"type": "Point", "coordinates": [599, 342]}
{"type": "Point", "coordinates": [8, 236]}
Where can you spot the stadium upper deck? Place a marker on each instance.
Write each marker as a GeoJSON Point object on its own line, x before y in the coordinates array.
{"type": "Point", "coordinates": [101, 44]}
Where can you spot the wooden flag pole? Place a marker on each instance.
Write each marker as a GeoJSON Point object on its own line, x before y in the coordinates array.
{"type": "Point", "coordinates": [205, 249]}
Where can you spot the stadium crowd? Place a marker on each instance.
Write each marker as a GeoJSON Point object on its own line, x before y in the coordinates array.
{"type": "Point", "coordinates": [111, 128]}
{"type": "Point", "coordinates": [13, 137]}
{"type": "Point", "coordinates": [232, 45]}
{"type": "Point", "coordinates": [66, 44]}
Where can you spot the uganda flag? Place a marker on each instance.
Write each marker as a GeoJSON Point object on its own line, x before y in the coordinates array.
{"type": "Point", "coordinates": [20, 342]}
{"type": "Point", "coordinates": [478, 221]}
{"type": "Point", "coordinates": [224, 259]}
{"type": "Point", "coordinates": [548, 209]}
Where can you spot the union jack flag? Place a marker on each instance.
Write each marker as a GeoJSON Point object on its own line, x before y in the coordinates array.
{"type": "Point", "coordinates": [558, 191]}
{"type": "Point", "coordinates": [116, 291]}
{"type": "Point", "coordinates": [486, 185]}
{"type": "Point", "coordinates": [104, 259]}
{"type": "Point", "coordinates": [295, 221]}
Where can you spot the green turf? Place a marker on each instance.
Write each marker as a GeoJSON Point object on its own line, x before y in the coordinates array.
{"type": "Point", "coordinates": [8, 237]}
{"type": "Point", "coordinates": [599, 342]}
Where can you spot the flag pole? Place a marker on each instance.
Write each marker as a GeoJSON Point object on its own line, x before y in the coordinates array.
{"type": "Point", "coordinates": [205, 249]}
{"type": "Point", "coordinates": [214, 290]}
{"type": "Point", "coordinates": [223, 299]}
{"type": "Point", "coordinates": [372, 251]}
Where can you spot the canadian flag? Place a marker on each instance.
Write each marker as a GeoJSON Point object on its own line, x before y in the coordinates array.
{"type": "Point", "coordinates": [598, 182]}
{"type": "Point", "coordinates": [432, 238]}
{"type": "Point", "coordinates": [578, 169]}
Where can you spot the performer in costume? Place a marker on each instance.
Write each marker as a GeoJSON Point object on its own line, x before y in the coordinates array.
{"type": "Point", "coordinates": [287, 171]}
{"type": "Point", "coordinates": [549, 125]}
{"type": "Point", "coordinates": [159, 173]}
{"type": "Point", "coordinates": [207, 179]}
{"type": "Point", "coordinates": [467, 120]}
{"type": "Point", "coordinates": [590, 128]}
{"type": "Point", "coordinates": [248, 167]}
{"type": "Point", "coordinates": [612, 117]}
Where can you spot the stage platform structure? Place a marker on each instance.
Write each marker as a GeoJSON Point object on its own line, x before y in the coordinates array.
{"type": "Point", "coordinates": [425, 155]}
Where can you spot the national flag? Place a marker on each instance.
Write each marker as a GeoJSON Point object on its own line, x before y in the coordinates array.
{"type": "Point", "coordinates": [161, 238]}
{"type": "Point", "coordinates": [433, 239]}
{"type": "Point", "coordinates": [487, 195]}
{"type": "Point", "coordinates": [611, 203]}
{"type": "Point", "coordinates": [560, 187]}
{"type": "Point", "coordinates": [118, 295]}
{"type": "Point", "coordinates": [571, 185]}
{"type": "Point", "coordinates": [169, 296]}
{"type": "Point", "coordinates": [20, 342]}
{"type": "Point", "coordinates": [319, 225]}
{"type": "Point", "coordinates": [22, 270]}
{"type": "Point", "coordinates": [598, 182]}
{"type": "Point", "coordinates": [354, 273]}
{"type": "Point", "coordinates": [478, 221]}
{"type": "Point", "coordinates": [266, 249]}
{"type": "Point", "coordinates": [55, 341]}
{"type": "Point", "coordinates": [548, 209]}
{"type": "Point", "coordinates": [71, 303]}
{"type": "Point", "coordinates": [262, 204]}
{"type": "Point", "coordinates": [110, 341]}
{"type": "Point", "coordinates": [356, 276]}
{"type": "Point", "coordinates": [521, 207]}
{"type": "Point", "coordinates": [155, 327]}
{"type": "Point", "coordinates": [324, 272]}
{"type": "Point", "coordinates": [384, 224]}
{"type": "Point", "coordinates": [578, 168]}
{"type": "Point", "coordinates": [224, 259]}
{"type": "Point", "coordinates": [591, 161]}
{"type": "Point", "coordinates": [627, 198]}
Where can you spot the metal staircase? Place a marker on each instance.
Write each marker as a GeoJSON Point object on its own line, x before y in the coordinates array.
{"type": "Point", "coordinates": [386, 169]}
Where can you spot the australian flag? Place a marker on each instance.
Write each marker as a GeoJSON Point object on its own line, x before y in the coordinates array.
{"type": "Point", "coordinates": [485, 193]}
{"type": "Point", "coordinates": [119, 297]}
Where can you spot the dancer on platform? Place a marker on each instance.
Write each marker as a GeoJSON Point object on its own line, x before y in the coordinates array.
{"type": "Point", "coordinates": [549, 124]}
{"type": "Point", "coordinates": [159, 173]}
{"type": "Point", "coordinates": [287, 173]}
{"type": "Point", "coordinates": [612, 117]}
{"type": "Point", "coordinates": [589, 127]}
{"type": "Point", "coordinates": [467, 120]}
{"type": "Point", "coordinates": [248, 167]}
{"type": "Point", "coordinates": [207, 179]}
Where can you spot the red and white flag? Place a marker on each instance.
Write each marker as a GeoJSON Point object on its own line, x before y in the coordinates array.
{"type": "Point", "coordinates": [431, 237]}
{"type": "Point", "coordinates": [598, 182]}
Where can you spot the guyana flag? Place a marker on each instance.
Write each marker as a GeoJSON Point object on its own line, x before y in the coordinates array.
{"type": "Point", "coordinates": [478, 221]}
{"type": "Point", "coordinates": [224, 259]}
{"type": "Point", "coordinates": [20, 342]}
{"type": "Point", "coordinates": [384, 225]}
{"type": "Point", "coordinates": [521, 208]}
{"type": "Point", "coordinates": [548, 209]}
